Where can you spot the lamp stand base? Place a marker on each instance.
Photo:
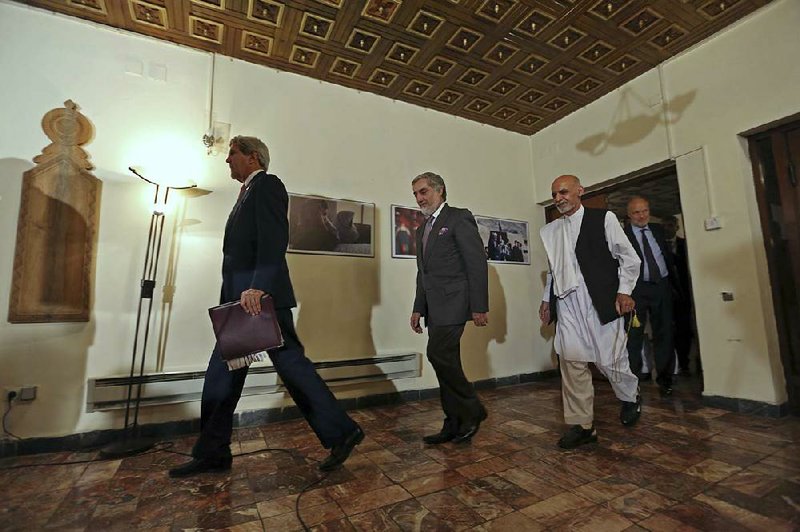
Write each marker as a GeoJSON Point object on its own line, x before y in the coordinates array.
{"type": "Point", "coordinates": [127, 447]}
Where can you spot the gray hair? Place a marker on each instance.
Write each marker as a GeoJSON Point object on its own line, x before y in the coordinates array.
{"type": "Point", "coordinates": [248, 145]}
{"type": "Point", "coordinates": [435, 181]}
{"type": "Point", "coordinates": [637, 197]}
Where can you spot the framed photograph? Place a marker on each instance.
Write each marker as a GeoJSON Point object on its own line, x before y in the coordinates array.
{"type": "Point", "coordinates": [405, 221]}
{"type": "Point", "coordinates": [505, 241]}
{"type": "Point", "coordinates": [331, 226]}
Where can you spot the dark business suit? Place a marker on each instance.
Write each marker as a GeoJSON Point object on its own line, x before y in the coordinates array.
{"type": "Point", "coordinates": [254, 256]}
{"type": "Point", "coordinates": [452, 283]}
{"type": "Point", "coordinates": [654, 302]}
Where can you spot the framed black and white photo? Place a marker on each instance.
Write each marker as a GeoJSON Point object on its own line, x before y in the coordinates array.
{"type": "Point", "coordinates": [331, 226]}
{"type": "Point", "coordinates": [505, 241]}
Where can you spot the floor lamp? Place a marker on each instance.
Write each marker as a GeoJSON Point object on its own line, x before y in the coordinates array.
{"type": "Point", "coordinates": [132, 443]}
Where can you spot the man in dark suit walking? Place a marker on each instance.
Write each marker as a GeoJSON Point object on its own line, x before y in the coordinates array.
{"type": "Point", "coordinates": [653, 293]}
{"type": "Point", "coordinates": [452, 288]}
{"type": "Point", "coordinates": [254, 264]}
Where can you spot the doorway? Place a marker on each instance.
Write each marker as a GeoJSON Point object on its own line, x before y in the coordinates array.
{"type": "Point", "coordinates": [659, 185]}
{"type": "Point", "coordinates": [775, 155]}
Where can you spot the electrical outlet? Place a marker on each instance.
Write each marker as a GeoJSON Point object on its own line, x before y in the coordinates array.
{"type": "Point", "coordinates": [713, 223]}
{"type": "Point", "coordinates": [21, 393]}
{"type": "Point", "coordinates": [9, 390]}
{"type": "Point", "coordinates": [27, 393]}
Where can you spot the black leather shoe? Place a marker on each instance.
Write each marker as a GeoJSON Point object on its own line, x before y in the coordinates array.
{"type": "Point", "coordinates": [440, 437]}
{"type": "Point", "coordinates": [201, 465]}
{"type": "Point", "coordinates": [466, 434]}
{"type": "Point", "coordinates": [340, 453]}
{"type": "Point", "coordinates": [665, 389]}
{"type": "Point", "coordinates": [577, 436]}
{"type": "Point", "coordinates": [630, 412]}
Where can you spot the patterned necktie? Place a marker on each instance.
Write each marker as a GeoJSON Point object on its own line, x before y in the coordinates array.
{"type": "Point", "coordinates": [426, 233]}
{"type": "Point", "coordinates": [241, 192]}
{"type": "Point", "coordinates": [653, 273]}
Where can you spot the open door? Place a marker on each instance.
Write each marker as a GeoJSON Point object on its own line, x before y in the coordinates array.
{"type": "Point", "coordinates": [776, 164]}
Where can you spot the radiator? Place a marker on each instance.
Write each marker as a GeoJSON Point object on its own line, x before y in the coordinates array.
{"type": "Point", "coordinates": [110, 393]}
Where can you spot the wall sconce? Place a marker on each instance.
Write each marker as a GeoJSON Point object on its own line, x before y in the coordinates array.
{"type": "Point", "coordinates": [216, 138]}
{"type": "Point", "coordinates": [132, 443]}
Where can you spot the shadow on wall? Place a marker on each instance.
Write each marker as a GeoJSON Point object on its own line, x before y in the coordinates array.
{"type": "Point", "coordinates": [335, 296]}
{"type": "Point", "coordinates": [626, 128]}
{"type": "Point", "coordinates": [176, 232]}
{"type": "Point", "coordinates": [476, 340]}
{"type": "Point", "coordinates": [547, 331]}
{"type": "Point", "coordinates": [51, 355]}
{"type": "Point", "coordinates": [740, 322]}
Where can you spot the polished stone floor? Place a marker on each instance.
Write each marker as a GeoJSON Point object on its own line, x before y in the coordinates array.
{"type": "Point", "coordinates": [683, 467]}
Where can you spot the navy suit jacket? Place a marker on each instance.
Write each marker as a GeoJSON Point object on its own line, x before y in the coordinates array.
{"type": "Point", "coordinates": [452, 274]}
{"type": "Point", "coordinates": [666, 251]}
{"type": "Point", "coordinates": [254, 247]}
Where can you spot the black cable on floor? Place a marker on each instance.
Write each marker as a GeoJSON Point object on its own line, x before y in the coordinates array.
{"type": "Point", "coordinates": [8, 409]}
{"type": "Point", "coordinates": [166, 448]}
{"type": "Point", "coordinates": [297, 502]}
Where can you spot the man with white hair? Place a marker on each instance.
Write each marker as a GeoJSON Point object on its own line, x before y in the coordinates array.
{"type": "Point", "coordinates": [254, 264]}
{"type": "Point", "coordinates": [593, 269]}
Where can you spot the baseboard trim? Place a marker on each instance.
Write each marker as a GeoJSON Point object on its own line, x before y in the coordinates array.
{"type": "Point", "coordinates": [87, 441]}
{"type": "Point", "coordinates": [747, 406]}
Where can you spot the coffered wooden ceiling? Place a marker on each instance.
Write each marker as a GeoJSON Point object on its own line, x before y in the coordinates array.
{"type": "Point", "coordinates": [515, 64]}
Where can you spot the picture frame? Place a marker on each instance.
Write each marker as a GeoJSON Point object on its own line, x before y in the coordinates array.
{"type": "Point", "coordinates": [506, 241]}
{"type": "Point", "coordinates": [405, 223]}
{"type": "Point", "coordinates": [330, 226]}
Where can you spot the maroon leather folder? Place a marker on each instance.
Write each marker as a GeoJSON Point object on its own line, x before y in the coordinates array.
{"type": "Point", "coordinates": [239, 334]}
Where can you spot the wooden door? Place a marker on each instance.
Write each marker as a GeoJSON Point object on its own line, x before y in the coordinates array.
{"type": "Point", "coordinates": [776, 165]}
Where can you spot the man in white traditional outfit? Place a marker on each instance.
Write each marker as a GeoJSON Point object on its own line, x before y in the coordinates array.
{"type": "Point", "coordinates": [593, 269]}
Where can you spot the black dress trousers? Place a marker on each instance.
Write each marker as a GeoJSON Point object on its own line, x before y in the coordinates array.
{"type": "Point", "coordinates": [223, 388]}
{"type": "Point", "coordinates": [654, 303]}
{"type": "Point", "coordinates": [459, 401]}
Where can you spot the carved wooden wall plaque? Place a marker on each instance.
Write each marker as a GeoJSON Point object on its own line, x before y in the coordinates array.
{"type": "Point", "coordinates": [58, 216]}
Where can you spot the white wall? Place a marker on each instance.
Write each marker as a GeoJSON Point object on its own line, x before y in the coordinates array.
{"type": "Point", "coordinates": [324, 139]}
{"type": "Point", "coordinates": [744, 77]}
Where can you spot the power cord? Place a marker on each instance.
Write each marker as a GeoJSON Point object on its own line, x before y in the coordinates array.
{"type": "Point", "coordinates": [165, 447]}
{"type": "Point", "coordinates": [10, 399]}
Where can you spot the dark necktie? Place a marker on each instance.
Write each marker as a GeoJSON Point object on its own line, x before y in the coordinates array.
{"type": "Point", "coordinates": [238, 203]}
{"type": "Point", "coordinates": [426, 232]}
{"type": "Point", "coordinates": [654, 273]}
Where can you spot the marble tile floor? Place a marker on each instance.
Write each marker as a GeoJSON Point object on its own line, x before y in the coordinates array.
{"type": "Point", "coordinates": [683, 467]}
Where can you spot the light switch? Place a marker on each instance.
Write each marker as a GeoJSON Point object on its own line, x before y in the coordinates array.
{"type": "Point", "coordinates": [713, 223]}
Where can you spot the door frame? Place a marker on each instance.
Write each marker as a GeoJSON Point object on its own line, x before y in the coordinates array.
{"type": "Point", "coordinates": [781, 156]}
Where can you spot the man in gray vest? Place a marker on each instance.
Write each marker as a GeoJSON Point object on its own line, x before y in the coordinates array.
{"type": "Point", "coordinates": [593, 269]}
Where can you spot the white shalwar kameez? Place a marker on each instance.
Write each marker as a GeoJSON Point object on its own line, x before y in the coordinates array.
{"type": "Point", "coordinates": [580, 336]}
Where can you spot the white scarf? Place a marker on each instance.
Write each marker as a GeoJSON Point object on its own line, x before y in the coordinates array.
{"type": "Point", "coordinates": [560, 248]}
